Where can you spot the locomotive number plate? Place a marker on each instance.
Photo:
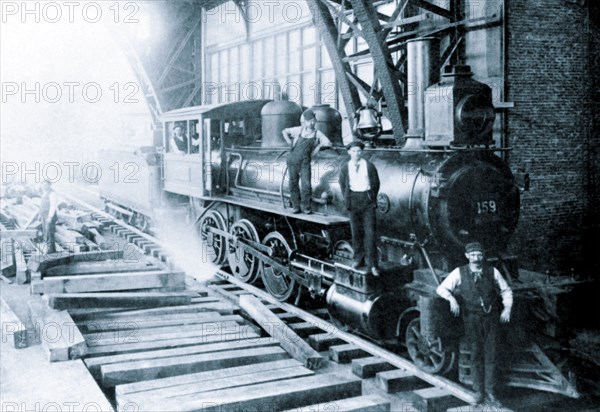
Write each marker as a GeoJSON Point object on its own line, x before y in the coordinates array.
{"type": "Point", "coordinates": [486, 206]}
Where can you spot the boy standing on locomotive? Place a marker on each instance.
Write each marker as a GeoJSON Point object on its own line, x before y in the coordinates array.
{"type": "Point", "coordinates": [359, 182]}
{"type": "Point", "coordinates": [479, 287]}
{"type": "Point", "coordinates": [304, 141]}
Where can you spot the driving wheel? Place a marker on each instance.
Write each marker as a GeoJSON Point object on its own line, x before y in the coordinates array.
{"type": "Point", "coordinates": [277, 283]}
{"type": "Point", "coordinates": [215, 242]}
{"type": "Point", "coordinates": [243, 265]}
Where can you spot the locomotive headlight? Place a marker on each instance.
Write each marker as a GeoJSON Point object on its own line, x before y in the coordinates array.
{"type": "Point", "coordinates": [474, 115]}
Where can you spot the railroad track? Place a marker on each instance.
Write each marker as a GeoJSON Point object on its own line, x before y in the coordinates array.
{"type": "Point", "coordinates": [360, 358]}
{"type": "Point", "coordinates": [208, 354]}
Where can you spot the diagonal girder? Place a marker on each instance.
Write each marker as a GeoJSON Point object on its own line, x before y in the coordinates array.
{"type": "Point", "coordinates": [331, 39]}
{"type": "Point", "coordinates": [384, 65]}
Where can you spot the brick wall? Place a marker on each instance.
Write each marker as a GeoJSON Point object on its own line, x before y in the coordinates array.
{"type": "Point", "coordinates": [550, 130]}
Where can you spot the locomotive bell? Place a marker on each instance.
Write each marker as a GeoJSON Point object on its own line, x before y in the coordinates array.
{"type": "Point", "coordinates": [368, 125]}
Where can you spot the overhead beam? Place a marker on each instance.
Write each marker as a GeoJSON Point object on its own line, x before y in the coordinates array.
{"type": "Point", "coordinates": [384, 65]}
{"type": "Point", "coordinates": [330, 35]}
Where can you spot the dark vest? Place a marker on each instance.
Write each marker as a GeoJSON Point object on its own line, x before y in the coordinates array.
{"type": "Point", "coordinates": [181, 144]}
{"type": "Point", "coordinates": [474, 293]}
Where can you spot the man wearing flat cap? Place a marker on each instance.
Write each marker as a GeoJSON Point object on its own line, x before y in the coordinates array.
{"type": "Point", "coordinates": [304, 141]}
{"type": "Point", "coordinates": [359, 182]}
{"type": "Point", "coordinates": [479, 288]}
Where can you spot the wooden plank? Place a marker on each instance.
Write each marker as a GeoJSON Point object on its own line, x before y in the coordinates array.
{"type": "Point", "coordinates": [127, 372]}
{"type": "Point", "coordinates": [368, 367]}
{"type": "Point", "coordinates": [58, 332]}
{"type": "Point", "coordinates": [322, 341]}
{"type": "Point", "coordinates": [129, 299]}
{"type": "Point", "coordinates": [43, 262]}
{"type": "Point", "coordinates": [398, 380]}
{"type": "Point", "coordinates": [289, 340]}
{"type": "Point", "coordinates": [13, 329]}
{"type": "Point", "coordinates": [92, 268]}
{"type": "Point", "coordinates": [366, 403]}
{"type": "Point", "coordinates": [169, 342]}
{"type": "Point", "coordinates": [91, 326]}
{"type": "Point", "coordinates": [190, 379]}
{"type": "Point", "coordinates": [92, 313]}
{"type": "Point", "coordinates": [345, 353]}
{"type": "Point", "coordinates": [147, 400]}
{"type": "Point", "coordinates": [289, 393]}
{"type": "Point", "coordinates": [95, 363]}
{"type": "Point", "coordinates": [106, 282]}
{"type": "Point", "coordinates": [146, 335]}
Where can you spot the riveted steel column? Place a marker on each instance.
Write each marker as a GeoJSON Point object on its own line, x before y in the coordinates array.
{"type": "Point", "coordinates": [384, 66]}
{"type": "Point", "coordinates": [329, 34]}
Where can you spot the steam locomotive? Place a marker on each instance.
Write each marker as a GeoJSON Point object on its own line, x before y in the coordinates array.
{"type": "Point", "coordinates": [446, 186]}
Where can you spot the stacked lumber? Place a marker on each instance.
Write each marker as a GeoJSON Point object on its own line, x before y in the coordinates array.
{"type": "Point", "coordinates": [102, 272]}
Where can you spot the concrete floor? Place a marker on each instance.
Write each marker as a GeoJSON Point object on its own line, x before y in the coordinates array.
{"type": "Point", "coordinates": [29, 382]}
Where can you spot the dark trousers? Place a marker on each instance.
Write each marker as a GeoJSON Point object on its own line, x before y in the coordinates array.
{"type": "Point", "coordinates": [49, 231]}
{"type": "Point", "coordinates": [362, 223]}
{"type": "Point", "coordinates": [299, 171]}
{"type": "Point", "coordinates": [481, 330]}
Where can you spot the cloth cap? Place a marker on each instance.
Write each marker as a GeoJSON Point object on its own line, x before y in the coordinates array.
{"type": "Point", "coordinates": [308, 115]}
{"type": "Point", "coordinates": [355, 143]}
{"type": "Point", "coordinates": [473, 247]}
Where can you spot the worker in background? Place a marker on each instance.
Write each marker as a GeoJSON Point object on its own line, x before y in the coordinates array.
{"type": "Point", "coordinates": [48, 215]}
{"type": "Point", "coordinates": [359, 182]}
{"type": "Point", "coordinates": [179, 141]}
{"type": "Point", "coordinates": [479, 288]}
{"type": "Point", "coordinates": [305, 141]}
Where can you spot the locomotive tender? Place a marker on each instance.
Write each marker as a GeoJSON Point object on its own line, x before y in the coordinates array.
{"type": "Point", "coordinates": [444, 188]}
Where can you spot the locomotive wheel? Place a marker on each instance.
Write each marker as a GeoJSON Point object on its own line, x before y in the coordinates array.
{"type": "Point", "coordinates": [428, 355]}
{"type": "Point", "coordinates": [216, 244]}
{"type": "Point", "coordinates": [276, 282]}
{"type": "Point", "coordinates": [243, 265]}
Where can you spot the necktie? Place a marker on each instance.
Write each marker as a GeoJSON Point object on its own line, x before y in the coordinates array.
{"type": "Point", "coordinates": [477, 277]}
{"type": "Point", "coordinates": [356, 167]}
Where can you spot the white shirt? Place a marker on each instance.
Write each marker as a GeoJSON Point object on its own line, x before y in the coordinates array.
{"type": "Point", "coordinates": [358, 178]}
{"type": "Point", "coordinates": [453, 281]}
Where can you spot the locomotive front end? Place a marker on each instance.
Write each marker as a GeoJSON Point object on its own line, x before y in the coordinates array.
{"type": "Point", "coordinates": [473, 196]}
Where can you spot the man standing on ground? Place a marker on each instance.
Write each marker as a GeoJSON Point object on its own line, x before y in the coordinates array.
{"type": "Point", "coordinates": [479, 286]}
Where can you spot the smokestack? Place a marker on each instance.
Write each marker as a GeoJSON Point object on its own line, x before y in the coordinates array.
{"type": "Point", "coordinates": [422, 72]}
